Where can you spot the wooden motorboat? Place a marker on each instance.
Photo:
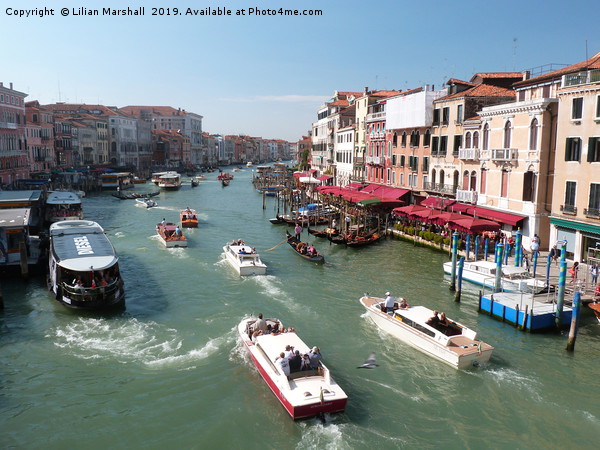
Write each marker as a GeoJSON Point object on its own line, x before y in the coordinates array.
{"type": "Point", "coordinates": [145, 203]}
{"type": "Point", "coordinates": [189, 218]}
{"type": "Point", "coordinates": [225, 182]}
{"type": "Point", "coordinates": [296, 245]}
{"type": "Point", "coordinates": [170, 235]}
{"type": "Point", "coordinates": [454, 344]}
{"type": "Point", "coordinates": [596, 308]}
{"type": "Point", "coordinates": [244, 259]}
{"type": "Point", "coordinates": [303, 393]}
{"type": "Point", "coordinates": [324, 233]}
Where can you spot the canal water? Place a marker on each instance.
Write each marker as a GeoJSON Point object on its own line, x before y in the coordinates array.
{"type": "Point", "coordinates": [169, 371]}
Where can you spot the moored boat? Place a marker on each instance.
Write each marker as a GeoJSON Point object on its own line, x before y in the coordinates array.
{"type": "Point", "coordinates": [244, 259]}
{"type": "Point", "coordinates": [514, 279]}
{"type": "Point", "coordinates": [454, 344]}
{"type": "Point", "coordinates": [360, 240]}
{"type": "Point", "coordinates": [249, 164]}
{"type": "Point", "coordinates": [596, 308]}
{"type": "Point", "coordinates": [83, 266]}
{"type": "Point", "coordinates": [63, 205]}
{"type": "Point", "coordinates": [303, 393]}
{"type": "Point", "coordinates": [170, 235]}
{"type": "Point", "coordinates": [155, 177]}
{"type": "Point", "coordinates": [189, 218]}
{"type": "Point", "coordinates": [116, 180]}
{"type": "Point", "coordinates": [303, 249]}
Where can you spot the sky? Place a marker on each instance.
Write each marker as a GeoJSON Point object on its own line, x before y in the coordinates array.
{"type": "Point", "coordinates": [267, 75]}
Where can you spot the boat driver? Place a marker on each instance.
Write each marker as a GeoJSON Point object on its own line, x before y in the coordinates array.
{"type": "Point", "coordinates": [389, 303]}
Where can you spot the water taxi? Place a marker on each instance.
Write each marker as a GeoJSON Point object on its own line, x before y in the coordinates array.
{"type": "Point", "coordinates": [145, 203]}
{"type": "Point", "coordinates": [303, 393]}
{"type": "Point", "coordinates": [170, 235]}
{"type": "Point", "coordinates": [63, 205]}
{"type": "Point", "coordinates": [453, 344]}
{"type": "Point", "coordinates": [155, 177]}
{"type": "Point", "coordinates": [189, 218]}
{"type": "Point", "coordinates": [514, 279]}
{"type": "Point", "coordinates": [170, 181]}
{"type": "Point", "coordinates": [84, 267]}
{"type": "Point", "coordinates": [249, 164]}
{"type": "Point", "coordinates": [244, 259]}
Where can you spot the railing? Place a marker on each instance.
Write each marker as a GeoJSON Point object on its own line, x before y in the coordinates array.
{"type": "Point", "coordinates": [568, 209]}
{"type": "Point", "coordinates": [374, 160]}
{"type": "Point", "coordinates": [469, 154]}
{"type": "Point", "coordinates": [466, 196]}
{"type": "Point", "coordinates": [377, 135]}
{"type": "Point", "coordinates": [585, 77]}
{"type": "Point", "coordinates": [359, 160]}
{"type": "Point", "coordinates": [439, 187]}
{"type": "Point", "coordinates": [375, 116]}
{"type": "Point", "coordinates": [90, 294]}
{"type": "Point", "coordinates": [592, 212]}
{"type": "Point", "coordinates": [10, 125]}
{"type": "Point", "coordinates": [438, 155]}
{"type": "Point", "coordinates": [505, 154]}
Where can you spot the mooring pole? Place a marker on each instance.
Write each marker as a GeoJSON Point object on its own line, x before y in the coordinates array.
{"type": "Point", "coordinates": [498, 280]}
{"type": "Point", "coordinates": [574, 322]}
{"type": "Point", "coordinates": [461, 264]}
{"type": "Point", "coordinates": [562, 281]}
{"type": "Point", "coordinates": [468, 246]}
{"type": "Point", "coordinates": [454, 253]}
{"type": "Point", "coordinates": [518, 248]}
{"type": "Point", "coordinates": [486, 248]}
{"type": "Point", "coordinates": [476, 247]}
{"type": "Point", "coordinates": [24, 266]}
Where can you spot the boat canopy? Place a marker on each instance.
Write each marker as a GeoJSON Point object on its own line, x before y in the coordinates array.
{"type": "Point", "coordinates": [62, 198]}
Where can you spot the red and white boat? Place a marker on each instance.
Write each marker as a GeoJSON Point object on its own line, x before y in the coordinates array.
{"type": "Point", "coordinates": [170, 235]}
{"type": "Point", "coordinates": [303, 394]}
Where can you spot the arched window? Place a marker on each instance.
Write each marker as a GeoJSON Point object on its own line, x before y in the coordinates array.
{"type": "Point", "coordinates": [507, 134]}
{"type": "Point", "coordinates": [465, 182]}
{"type": "Point", "coordinates": [455, 179]}
{"type": "Point", "coordinates": [442, 175]}
{"type": "Point", "coordinates": [486, 137]}
{"type": "Point", "coordinates": [395, 139]}
{"type": "Point", "coordinates": [433, 174]}
{"type": "Point", "coordinates": [468, 140]}
{"type": "Point", "coordinates": [482, 180]}
{"type": "Point", "coordinates": [473, 185]}
{"type": "Point", "coordinates": [403, 143]}
{"type": "Point", "coordinates": [427, 138]}
{"type": "Point", "coordinates": [533, 134]}
{"type": "Point", "coordinates": [476, 139]}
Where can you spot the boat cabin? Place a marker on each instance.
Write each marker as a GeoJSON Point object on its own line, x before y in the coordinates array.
{"type": "Point", "coordinates": [15, 230]}
{"type": "Point", "coordinates": [114, 180]}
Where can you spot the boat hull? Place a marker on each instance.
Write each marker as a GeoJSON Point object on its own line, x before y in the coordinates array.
{"type": "Point", "coordinates": [242, 267]}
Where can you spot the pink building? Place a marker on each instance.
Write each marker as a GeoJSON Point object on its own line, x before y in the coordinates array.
{"type": "Point", "coordinates": [13, 149]}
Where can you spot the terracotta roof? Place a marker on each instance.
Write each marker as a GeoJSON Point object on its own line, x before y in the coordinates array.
{"type": "Point", "coordinates": [81, 108]}
{"type": "Point", "coordinates": [591, 63]}
{"type": "Point", "coordinates": [158, 110]}
{"type": "Point", "coordinates": [338, 103]}
{"type": "Point", "coordinates": [481, 90]}
{"type": "Point", "coordinates": [385, 93]}
{"type": "Point", "coordinates": [498, 75]}
{"type": "Point", "coordinates": [457, 81]}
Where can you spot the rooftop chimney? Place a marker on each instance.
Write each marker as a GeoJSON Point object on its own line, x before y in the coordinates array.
{"type": "Point", "coordinates": [366, 89]}
{"type": "Point", "coordinates": [10, 85]}
{"type": "Point", "coordinates": [526, 75]}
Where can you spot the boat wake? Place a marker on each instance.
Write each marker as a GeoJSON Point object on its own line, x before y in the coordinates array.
{"type": "Point", "coordinates": [145, 343]}
{"type": "Point", "coordinates": [273, 288]}
{"type": "Point", "coordinates": [168, 208]}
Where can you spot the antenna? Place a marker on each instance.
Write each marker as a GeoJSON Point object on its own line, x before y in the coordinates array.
{"type": "Point", "coordinates": [514, 54]}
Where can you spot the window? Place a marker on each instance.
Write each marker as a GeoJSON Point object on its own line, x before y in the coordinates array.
{"type": "Point", "coordinates": [457, 144]}
{"type": "Point", "coordinates": [570, 190]}
{"type": "Point", "coordinates": [426, 164]}
{"type": "Point", "coordinates": [594, 149]}
{"type": "Point", "coordinates": [436, 117]}
{"type": "Point", "coordinates": [445, 116]}
{"type": "Point", "coordinates": [443, 145]}
{"type": "Point", "coordinates": [521, 96]}
{"type": "Point", "coordinates": [402, 160]}
{"type": "Point", "coordinates": [415, 138]}
{"type": "Point", "coordinates": [459, 114]}
{"type": "Point", "coordinates": [546, 91]}
{"type": "Point", "coordinates": [473, 185]}
{"type": "Point", "coordinates": [573, 149]}
{"type": "Point", "coordinates": [401, 179]}
{"type": "Point", "coordinates": [529, 182]}
{"type": "Point", "coordinates": [465, 181]}
{"type": "Point", "coordinates": [486, 137]}
{"type": "Point", "coordinates": [395, 140]}
{"type": "Point", "coordinates": [507, 134]}
{"type": "Point", "coordinates": [476, 139]}
{"type": "Point", "coordinates": [594, 202]}
{"type": "Point", "coordinates": [533, 134]}
{"type": "Point", "coordinates": [598, 107]}
{"type": "Point", "coordinates": [468, 140]}
{"type": "Point", "coordinates": [403, 142]}
{"type": "Point", "coordinates": [434, 145]}
{"type": "Point", "coordinates": [504, 185]}
{"type": "Point", "coordinates": [427, 139]}
{"type": "Point", "coordinates": [577, 110]}
{"type": "Point", "coordinates": [394, 159]}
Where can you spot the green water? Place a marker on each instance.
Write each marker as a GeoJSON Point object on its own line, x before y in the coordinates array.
{"type": "Point", "coordinates": [169, 372]}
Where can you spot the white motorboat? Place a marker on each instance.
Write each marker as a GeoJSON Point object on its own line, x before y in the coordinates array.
{"type": "Point", "coordinates": [63, 205]}
{"type": "Point", "coordinates": [249, 164]}
{"type": "Point", "coordinates": [303, 393]}
{"type": "Point", "coordinates": [244, 259]}
{"type": "Point", "coordinates": [514, 279]}
{"type": "Point", "coordinates": [455, 344]}
{"type": "Point", "coordinates": [84, 266]}
{"type": "Point", "coordinates": [145, 202]}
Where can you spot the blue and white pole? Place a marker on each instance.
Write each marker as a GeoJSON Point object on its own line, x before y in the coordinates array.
{"type": "Point", "coordinates": [498, 280]}
{"type": "Point", "coordinates": [562, 281]}
{"type": "Point", "coordinates": [454, 254]}
{"type": "Point", "coordinates": [518, 248]}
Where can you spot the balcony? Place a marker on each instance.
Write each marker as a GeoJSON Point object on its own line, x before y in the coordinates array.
{"type": "Point", "coordinates": [568, 209]}
{"type": "Point", "coordinates": [584, 77]}
{"type": "Point", "coordinates": [9, 125]}
{"type": "Point", "coordinates": [359, 161]}
{"type": "Point", "coordinates": [593, 213]}
{"type": "Point", "coordinates": [505, 154]}
{"type": "Point", "coordinates": [377, 135]}
{"type": "Point", "coordinates": [375, 160]}
{"type": "Point", "coordinates": [468, 154]}
{"type": "Point", "coordinates": [466, 196]}
{"type": "Point", "coordinates": [441, 188]}
{"type": "Point", "coordinates": [375, 116]}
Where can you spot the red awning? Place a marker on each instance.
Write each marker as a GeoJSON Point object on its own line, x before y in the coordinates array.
{"type": "Point", "coordinates": [407, 210]}
{"type": "Point", "coordinates": [460, 207]}
{"type": "Point", "coordinates": [442, 218]}
{"type": "Point", "coordinates": [324, 177]}
{"type": "Point", "coordinates": [301, 174]}
{"type": "Point", "coordinates": [356, 186]}
{"type": "Point", "coordinates": [384, 192]}
{"type": "Point", "coordinates": [498, 216]}
{"type": "Point", "coordinates": [425, 213]}
{"type": "Point", "coordinates": [474, 225]}
{"type": "Point", "coordinates": [437, 202]}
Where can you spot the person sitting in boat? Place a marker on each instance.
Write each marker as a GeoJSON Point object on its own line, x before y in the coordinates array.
{"type": "Point", "coordinates": [315, 358]}
{"type": "Point", "coordinates": [177, 231]}
{"type": "Point", "coordinates": [296, 362]}
{"type": "Point", "coordinates": [389, 303]}
{"type": "Point", "coordinates": [255, 334]}
{"type": "Point", "coordinates": [403, 304]}
{"type": "Point", "coordinates": [260, 324]}
{"type": "Point", "coordinates": [242, 251]}
{"type": "Point", "coordinates": [164, 222]}
{"type": "Point", "coordinates": [283, 364]}
{"type": "Point", "coordinates": [312, 251]}
{"type": "Point", "coordinates": [433, 320]}
{"type": "Point", "coordinates": [444, 320]}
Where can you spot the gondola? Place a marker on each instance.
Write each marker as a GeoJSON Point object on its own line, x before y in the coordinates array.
{"type": "Point", "coordinates": [359, 241]}
{"type": "Point", "coordinates": [194, 183]}
{"type": "Point", "coordinates": [225, 182]}
{"type": "Point", "coordinates": [323, 233]}
{"type": "Point", "coordinates": [277, 220]}
{"type": "Point", "coordinates": [294, 244]}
